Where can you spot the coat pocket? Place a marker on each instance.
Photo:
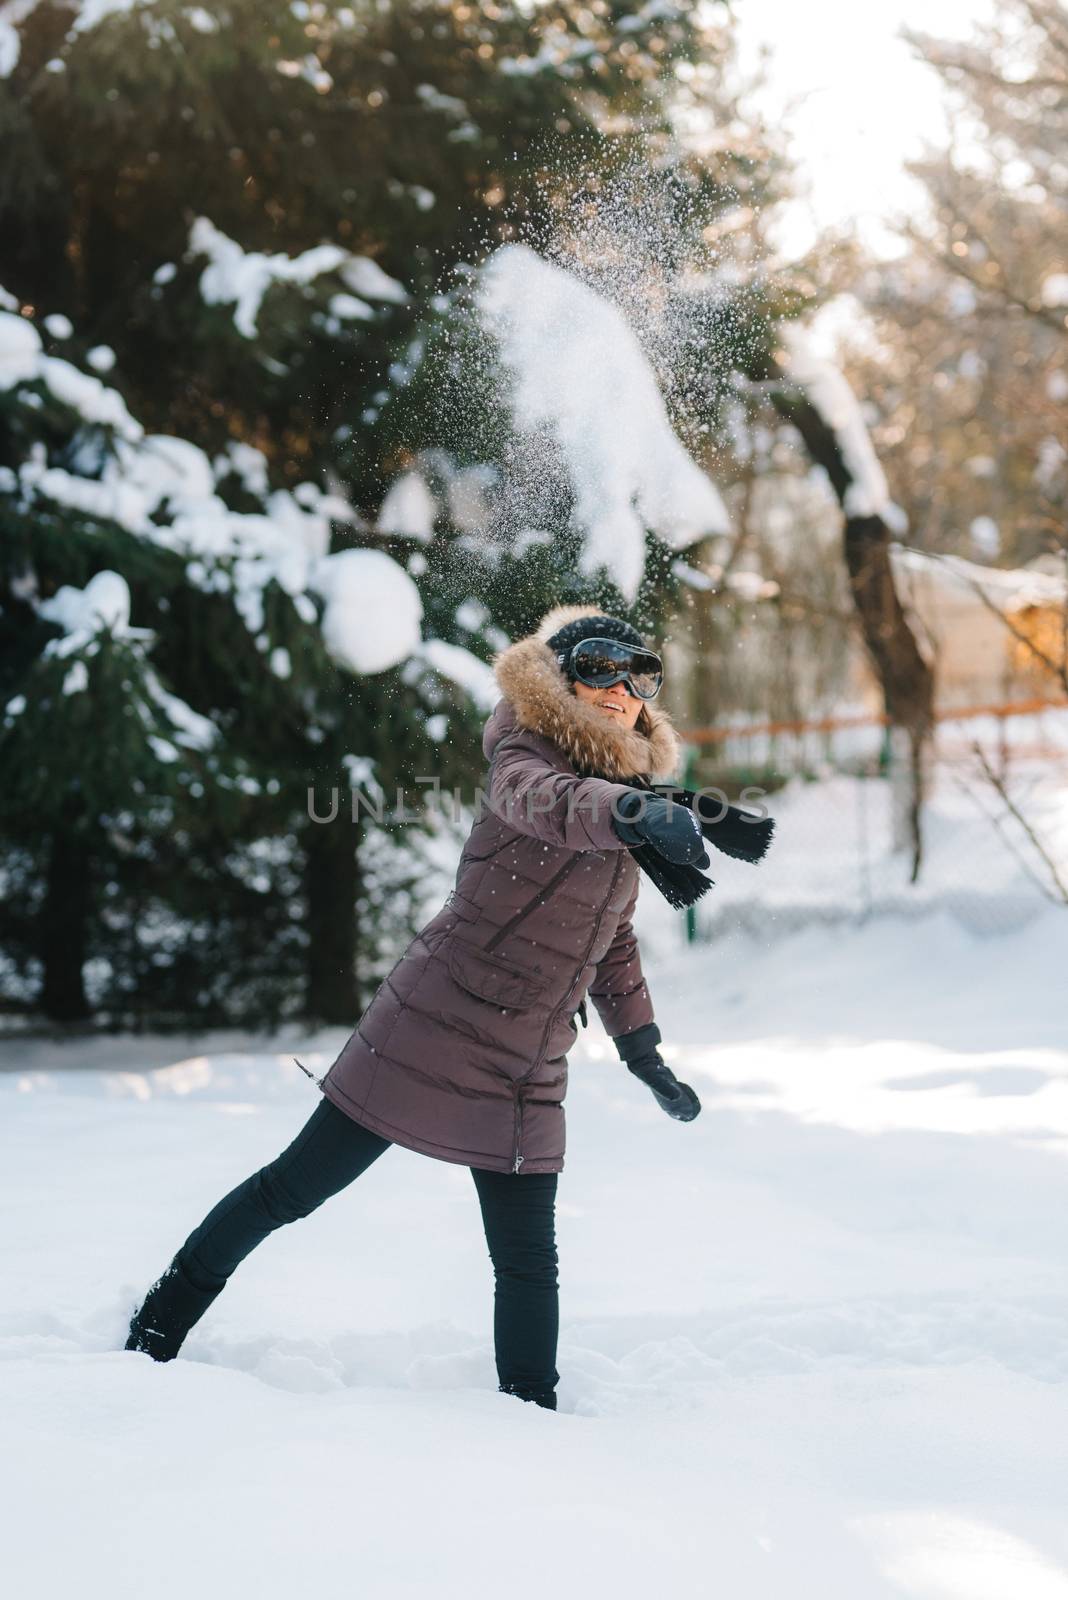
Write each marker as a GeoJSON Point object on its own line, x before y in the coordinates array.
{"type": "Point", "coordinates": [490, 978]}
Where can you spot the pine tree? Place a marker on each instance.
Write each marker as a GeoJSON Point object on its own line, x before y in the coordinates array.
{"type": "Point", "coordinates": [117, 783]}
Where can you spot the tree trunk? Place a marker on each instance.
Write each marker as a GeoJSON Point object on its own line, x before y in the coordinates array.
{"type": "Point", "coordinates": [906, 677]}
{"type": "Point", "coordinates": [332, 886]}
{"type": "Point", "coordinates": [704, 698]}
{"type": "Point", "coordinates": [63, 924]}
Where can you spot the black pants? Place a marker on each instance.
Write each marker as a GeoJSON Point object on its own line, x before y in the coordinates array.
{"type": "Point", "coordinates": [326, 1155]}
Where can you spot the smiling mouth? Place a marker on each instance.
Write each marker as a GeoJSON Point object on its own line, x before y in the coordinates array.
{"type": "Point", "coordinates": [611, 705]}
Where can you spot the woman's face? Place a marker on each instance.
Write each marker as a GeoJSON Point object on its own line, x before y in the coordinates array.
{"type": "Point", "coordinates": [616, 702]}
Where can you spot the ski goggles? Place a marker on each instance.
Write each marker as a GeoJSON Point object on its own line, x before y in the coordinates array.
{"type": "Point", "coordinates": [603, 662]}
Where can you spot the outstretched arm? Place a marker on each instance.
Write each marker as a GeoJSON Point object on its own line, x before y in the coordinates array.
{"type": "Point", "coordinates": [534, 789]}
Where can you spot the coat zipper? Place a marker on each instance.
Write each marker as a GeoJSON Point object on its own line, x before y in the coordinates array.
{"type": "Point", "coordinates": [542, 895]}
{"type": "Point", "coordinates": [518, 1159]}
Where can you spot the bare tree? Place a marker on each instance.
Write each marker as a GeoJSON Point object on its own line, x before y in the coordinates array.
{"type": "Point", "coordinates": [903, 672]}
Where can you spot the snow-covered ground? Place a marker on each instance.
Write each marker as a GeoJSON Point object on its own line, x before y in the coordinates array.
{"type": "Point", "coordinates": [814, 1343]}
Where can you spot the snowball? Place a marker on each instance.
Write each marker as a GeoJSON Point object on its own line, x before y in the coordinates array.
{"type": "Point", "coordinates": [101, 358]}
{"type": "Point", "coordinates": [59, 326]}
{"type": "Point", "coordinates": [373, 610]}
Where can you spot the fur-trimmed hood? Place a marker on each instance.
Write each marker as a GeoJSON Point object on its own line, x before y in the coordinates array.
{"type": "Point", "coordinates": [542, 700]}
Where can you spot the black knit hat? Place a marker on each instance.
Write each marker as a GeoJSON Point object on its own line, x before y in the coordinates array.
{"type": "Point", "coordinates": [566, 638]}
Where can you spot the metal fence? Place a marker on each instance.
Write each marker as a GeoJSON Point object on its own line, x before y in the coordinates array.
{"type": "Point", "coordinates": [994, 822]}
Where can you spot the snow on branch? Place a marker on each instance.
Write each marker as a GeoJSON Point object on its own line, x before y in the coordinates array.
{"type": "Point", "coordinates": [11, 15]}
{"type": "Point", "coordinates": [241, 278]}
{"type": "Point", "coordinates": [827, 390]}
{"type": "Point", "coordinates": [103, 606]}
{"type": "Point", "coordinates": [22, 361]}
{"type": "Point", "coordinates": [165, 490]}
{"type": "Point", "coordinates": [580, 377]}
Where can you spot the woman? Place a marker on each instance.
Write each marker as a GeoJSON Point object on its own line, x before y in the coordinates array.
{"type": "Point", "coordinates": [461, 1054]}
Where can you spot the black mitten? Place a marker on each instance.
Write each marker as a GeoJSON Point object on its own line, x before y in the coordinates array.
{"type": "Point", "coordinates": [638, 1050]}
{"type": "Point", "coordinates": [671, 828]}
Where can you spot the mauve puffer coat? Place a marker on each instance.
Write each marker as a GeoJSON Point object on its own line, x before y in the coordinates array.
{"type": "Point", "coordinates": [461, 1053]}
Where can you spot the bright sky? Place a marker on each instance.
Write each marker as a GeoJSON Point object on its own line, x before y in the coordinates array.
{"type": "Point", "coordinates": [854, 101]}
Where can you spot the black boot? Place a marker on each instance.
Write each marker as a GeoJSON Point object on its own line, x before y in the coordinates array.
{"type": "Point", "coordinates": [540, 1397]}
{"type": "Point", "coordinates": [172, 1305]}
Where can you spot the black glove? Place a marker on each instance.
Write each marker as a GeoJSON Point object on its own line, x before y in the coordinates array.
{"type": "Point", "coordinates": [671, 828]}
{"type": "Point", "coordinates": [638, 1050]}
